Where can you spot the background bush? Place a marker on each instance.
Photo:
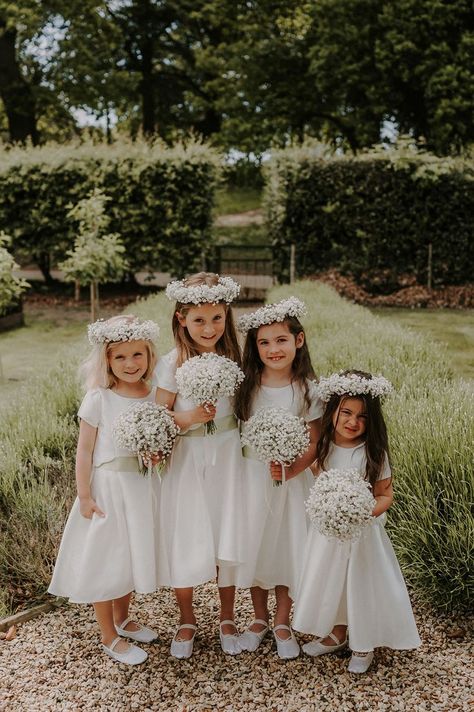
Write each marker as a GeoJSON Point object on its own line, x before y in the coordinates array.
{"type": "Point", "coordinates": [429, 417]}
{"type": "Point", "coordinates": [376, 211]}
{"type": "Point", "coordinates": [161, 200]}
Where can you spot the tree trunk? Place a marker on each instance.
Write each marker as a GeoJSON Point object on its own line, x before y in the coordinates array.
{"type": "Point", "coordinates": [44, 263]}
{"type": "Point", "coordinates": [92, 297]}
{"type": "Point", "coordinates": [15, 92]}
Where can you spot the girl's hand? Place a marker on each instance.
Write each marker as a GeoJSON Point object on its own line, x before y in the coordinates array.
{"type": "Point", "coordinates": [154, 457]}
{"type": "Point", "coordinates": [277, 474]}
{"type": "Point", "coordinates": [88, 506]}
{"type": "Point", "coordinates": [204, 413]}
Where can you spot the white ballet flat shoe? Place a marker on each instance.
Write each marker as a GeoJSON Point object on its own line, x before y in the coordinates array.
{"type": "Point", "coordinates": [315, 647]}
{"type": "Point", "coordinates": [250, 639]}
{"type": "Point", "coordinates": [289, 648]}
{"type": "Point", "coordinates": [360, 662]}
{"type": "Point", "coordinates": [132, 656]}
{"type": "Point", "coordinates": [230, 642]}
{"type": "Point", "coordinates": [142, 635]}
{"type": "Point", "coordinates": [183, 648]}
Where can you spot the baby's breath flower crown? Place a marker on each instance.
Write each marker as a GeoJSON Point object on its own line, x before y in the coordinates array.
{"type": "Point", "coordinates": [352, 385]}
{"type": "Point", "coordinates": [226, 290]}
{"type": "Point", "coordinates": [270, 313]}
{"type": "Point", "coordinates": [104, 332]}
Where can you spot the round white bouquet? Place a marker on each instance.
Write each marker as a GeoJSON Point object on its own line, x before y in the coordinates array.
{"type": "Point", "coordinates": [146, 429]}
{"type": "Point", "coordinates": [276, 435]}
{"type": "Point", "coordinates": [206, 378]}
{"type": "Point", "coordinates": [340, 504]}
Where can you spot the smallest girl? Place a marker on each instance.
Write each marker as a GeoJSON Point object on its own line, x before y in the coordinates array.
{"type": "Point", "coordinates": [355, 592]}
{"type": "Point", "coordinates": [108, 547]}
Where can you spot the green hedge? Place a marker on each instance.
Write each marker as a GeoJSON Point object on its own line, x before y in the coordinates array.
{"type": "Point", "coordinates": [378, 211]}
{"type": "Point", "coordinates": [161, 200]}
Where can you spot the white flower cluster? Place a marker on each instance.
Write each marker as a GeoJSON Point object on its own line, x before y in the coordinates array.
{"type": "Point", "coordinates": [340, 504]}
{"type": "Point", "coordinates": [104, 332]}
{"type": "Point", "coordinates": [270, 313]}
{"type": "Point", "coordinates": [226, 290]}
{"type": "Point", "coordinates": [276, 435]}
{"type": "Point", "coordinates": [206, 378]}
{"type": "Point", "coordinates": [146, 429]}
{"type": "Point", "coordinates": [352, 385]}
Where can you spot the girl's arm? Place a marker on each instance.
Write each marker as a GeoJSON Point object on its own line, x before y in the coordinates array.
{"type": "Point", "coordinates": [383, 494]}
{"type": "Point", "coordinates": [301, 463]}
{"type": "Point", "coordinates": [184, 419]}
{"type": "Point", "coordinates": [85, 450]}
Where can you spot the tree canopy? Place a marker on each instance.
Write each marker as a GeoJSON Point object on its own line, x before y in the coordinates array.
{"type": "Point", "coordinates": [245, 74]}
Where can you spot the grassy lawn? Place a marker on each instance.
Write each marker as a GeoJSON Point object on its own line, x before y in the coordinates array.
{"type": "Point", "coordinates": [237, 200]}
{"type": "Point", "coordinates": [453, 328]}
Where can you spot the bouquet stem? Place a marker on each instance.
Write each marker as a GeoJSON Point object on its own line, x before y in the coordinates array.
{"type": "Point", "coordinates": [210, 427]}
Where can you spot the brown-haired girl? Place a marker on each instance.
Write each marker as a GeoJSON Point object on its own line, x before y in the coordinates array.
{"type": "Point", "coordinates": [278, 370]}
{"type": "Point", "coordinates": [354, 591]}
{"type": "Point", "coordinates": [201, 512]}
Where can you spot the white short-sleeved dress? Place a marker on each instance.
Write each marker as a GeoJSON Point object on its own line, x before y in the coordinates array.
{"type": "Point", "coordinates": [276, 521]}
{"type": "Point", "coordinates": [355, 584]}
{"type": "Point", "coordinates": [105, 558]}
{"type": "Point", "coordinates": [201, 495]}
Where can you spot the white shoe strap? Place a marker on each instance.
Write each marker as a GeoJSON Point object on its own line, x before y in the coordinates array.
{"type": "Point", "coordinates": [228, 622]}
{"type": "Point", "coordinates": [333, 637]}
{"type": "Point", "coordinates": [282, 627]}
{"type": "Point", "coordinates": [114, 643]}
{"type": "Point", "coordinates": [260, 621]}
{"type": "Point", "coordinates": [191, 626]}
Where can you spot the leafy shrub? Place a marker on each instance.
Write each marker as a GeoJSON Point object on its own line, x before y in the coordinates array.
{"type": "Point", "coordinates": [11, 287]}
{"type": "Point", "coordinates": [161, 200]}
{"type": "Point", "coordinates": [377, 211]}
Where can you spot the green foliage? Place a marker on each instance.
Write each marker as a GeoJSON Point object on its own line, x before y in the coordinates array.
{"type": "Point", "coordinates": [11, 287]}
{"type": "Point", "coordinates": [161, 199]}
{"type": "Point", "coordinates": [429, 418]}
{"type": "Point", "coordinates": [377, 211]}
{"type": "Point", "coordinates": [95, 257]}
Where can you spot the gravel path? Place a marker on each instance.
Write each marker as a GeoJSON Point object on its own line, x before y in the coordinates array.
{"type": "Point", "coordinates": [54, 663]}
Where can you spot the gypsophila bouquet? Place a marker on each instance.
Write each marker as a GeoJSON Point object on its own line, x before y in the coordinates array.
{"type": "Point", "coordinates": [206, 378]}
{"type": "Point", "coordinates": [340, 504]}
{"type": "Point", "coordinates": [276, 435]}
{"type": "Point", "coordinates": [146, 429]}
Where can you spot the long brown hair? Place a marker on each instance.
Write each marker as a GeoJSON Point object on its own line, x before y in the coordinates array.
{"type": "Point", "coordinates": [375, 436]}
{"type": "Point", "coordinates": [252, 366]}
{"type": "Point", "coordinates": [226, 346]}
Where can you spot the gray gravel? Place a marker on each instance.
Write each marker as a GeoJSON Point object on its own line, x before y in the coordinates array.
{"type": "Point", "coordinates": [55, 663]}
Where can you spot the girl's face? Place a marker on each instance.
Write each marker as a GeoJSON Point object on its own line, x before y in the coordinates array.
{"type": "Point", "coordinates": [277, 346]}
{"type": "Point", "coordinates": [350, 422]}
{"type": "Point", "coordinates": [128, 360]}
{"type": "Point", "coordinates": [205, 324]}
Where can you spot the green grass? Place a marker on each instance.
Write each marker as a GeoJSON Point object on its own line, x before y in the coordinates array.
{"type": "Point", "coordinates": [454, 329]}
{"type": "Point", "coordinates": [245, 235]}
{"type": "Point", "coordinates": [237, 200]}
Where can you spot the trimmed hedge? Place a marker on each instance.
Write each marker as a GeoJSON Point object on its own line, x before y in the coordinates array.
{"type": "Point", "coordinates": [161, 200]}
{"type": "Point", "coordinates": [377, 211]}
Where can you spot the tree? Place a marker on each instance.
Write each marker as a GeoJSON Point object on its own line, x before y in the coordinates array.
{"type": "Point", "coordinates": [96, 257]}
{"type": "Point", "coordinates": [11, 287]}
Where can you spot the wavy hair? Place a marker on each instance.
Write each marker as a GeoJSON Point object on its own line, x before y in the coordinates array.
{"type": "Point", "coordinates": [252, 366]}
{"type": "Point", "coordinates": [227, 345]}
{"type": "Point", "coordinates": [375, 436]}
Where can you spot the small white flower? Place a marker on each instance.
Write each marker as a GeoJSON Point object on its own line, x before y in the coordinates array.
{"type": "Point", "coordinates": [276, 435]}
{"type": "Point", "coordinates": [340, 504]}
{"type": "Point", "coordinates": [104, 332]}
{"type": "Point", "coordinates": [146, 429]}
{"type": "Point", "coordinates": [206, 378]}
{"type": "Point", "coordinates": [270, 313]}
{"type": "Point", "coordinates": [226, 290]}
{"type": "Point", "coordinates": [352, 385]}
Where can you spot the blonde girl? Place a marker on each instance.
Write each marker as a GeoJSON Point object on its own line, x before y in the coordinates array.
{"type": "Point", "coordinates": [201, 509]}
{"type": "Point", "coordinates": [108, 548]}
{"type": "Point", "coordinates": [278, 371]}
{"type": "Point", "coordinates": [354, 593]}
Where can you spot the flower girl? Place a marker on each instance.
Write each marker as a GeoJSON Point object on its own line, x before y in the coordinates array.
{"type": "Point", "coordinates": [201, 507]}
{"type": "Point", "coordinates": [354, 590]}
{"type": "Point", "coordinates": [108, 547]}
{"type": "Point", "coordinates": [277, 367]}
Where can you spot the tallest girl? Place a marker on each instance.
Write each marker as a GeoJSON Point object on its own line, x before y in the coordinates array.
{"type": "Point", "coordinates": [201, 513]}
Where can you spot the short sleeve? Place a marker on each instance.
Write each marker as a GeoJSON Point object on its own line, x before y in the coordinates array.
{"type": "Point", "coordinates": [90, 409]}
{"type": "Point", "coordinates": [164, 375]}
{"type": "Point", "coordinates": [315, 409]}
{"type": "Point", "coordinates": [386, 470]}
